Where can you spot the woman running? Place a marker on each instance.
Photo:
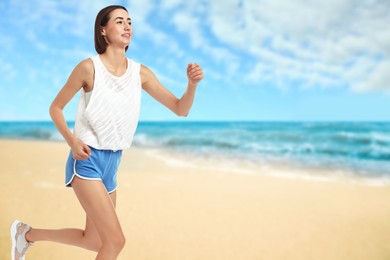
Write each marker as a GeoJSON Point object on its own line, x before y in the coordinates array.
{"type": "Point", "coordinates": [106, 121]}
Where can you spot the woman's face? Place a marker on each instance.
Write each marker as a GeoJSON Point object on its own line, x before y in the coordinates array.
{"type": "Point", "coordinates": [118, 30]}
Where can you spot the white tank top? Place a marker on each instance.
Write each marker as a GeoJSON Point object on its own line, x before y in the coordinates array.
{"type": "Point", "coordinates": [110, 117]}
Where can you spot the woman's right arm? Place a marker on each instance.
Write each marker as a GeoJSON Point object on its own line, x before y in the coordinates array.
{"type": "Point", "coordinates": [81, 77]}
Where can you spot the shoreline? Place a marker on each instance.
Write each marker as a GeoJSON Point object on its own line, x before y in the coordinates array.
{"type": "Point", "coordinates": [277, 169]}
{"type": "Point", "coordinates": [285, 169]}
{"type": "Point", "coordinates": [171, 211]}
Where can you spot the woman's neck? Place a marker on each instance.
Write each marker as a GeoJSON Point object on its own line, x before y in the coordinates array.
{"type": "Point", "coordinates": [114, 58]}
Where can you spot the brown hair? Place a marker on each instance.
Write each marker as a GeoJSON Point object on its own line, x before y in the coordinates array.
{"type": "Point", "coordinates": [101, 20]}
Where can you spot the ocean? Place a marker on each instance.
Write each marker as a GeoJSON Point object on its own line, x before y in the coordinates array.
{"type": "Point", "coordinates": [361, 149]}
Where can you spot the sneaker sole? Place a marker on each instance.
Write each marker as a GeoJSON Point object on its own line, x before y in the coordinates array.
{"type": "Point", "coordinates": [13, 235]}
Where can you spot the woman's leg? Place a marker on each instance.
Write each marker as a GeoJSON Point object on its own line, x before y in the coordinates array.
{"type": "Point", "coordinates": [88, 238]}
{"type": "Point", "coordinates": [100, 209]}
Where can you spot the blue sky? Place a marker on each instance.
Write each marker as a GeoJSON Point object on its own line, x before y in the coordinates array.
{"type": "Point", "coordinates": [299, 60]}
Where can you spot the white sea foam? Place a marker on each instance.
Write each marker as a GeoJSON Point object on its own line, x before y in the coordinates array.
{"type": "Point", "coordinates": [273, 168]}
{"type": "Point", "coordinates": [381, 137]}
{"type": "Point", "coordinates": [168, 159]}
{"type": "Point", "coordinates": [363, 149]}
{"type": "Point", "coordinates": [143, 140]}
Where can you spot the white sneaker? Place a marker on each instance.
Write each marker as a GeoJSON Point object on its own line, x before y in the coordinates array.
{"type": "Point", "coordinates": [20, 245]}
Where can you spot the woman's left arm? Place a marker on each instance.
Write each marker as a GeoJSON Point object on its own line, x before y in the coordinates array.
{"type": "Point", "coordinates": [153, 87]}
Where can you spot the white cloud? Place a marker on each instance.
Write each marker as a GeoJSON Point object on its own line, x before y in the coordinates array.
{"type": "Point", "coordinates": [378, 79]}
{"type": "Point", "coordinates": [187, 20]}
{"type": "Point", "coordinates": [186, 23]}
{"type": "Point", "coordinates": [170, 4]}
{"type": "Point", "coordinates": [317, 42]}
{"type": "Point", "coordinates": [39, 22]}
{"type": "Point", "coordinates": [60, 16]}
{"type": "Point", "coordinates": [191, 20]}
{"type": "Point", "coordinates": [139, 12]}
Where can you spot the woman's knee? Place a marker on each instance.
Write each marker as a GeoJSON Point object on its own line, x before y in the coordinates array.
{"type": "Point", "coordinates": [120, 242]}
{"type": "Point", "coordinates": [116, 242]}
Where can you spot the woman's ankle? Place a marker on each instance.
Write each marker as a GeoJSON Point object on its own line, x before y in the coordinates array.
{"type": "Point", "coordinates": [29, 237]}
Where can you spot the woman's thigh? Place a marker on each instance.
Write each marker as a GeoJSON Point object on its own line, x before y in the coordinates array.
{"type": "Point", "coordinates": [99, 207]}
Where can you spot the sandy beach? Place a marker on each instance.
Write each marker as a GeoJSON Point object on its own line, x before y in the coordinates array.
{"type": "Point", "coordinates": [169, 210]}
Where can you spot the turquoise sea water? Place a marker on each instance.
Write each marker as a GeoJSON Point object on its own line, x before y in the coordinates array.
{"type": "Point", "coordinates": [362, 148]}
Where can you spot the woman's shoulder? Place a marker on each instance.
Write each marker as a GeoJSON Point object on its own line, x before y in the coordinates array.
{"type": "Point", "coordinates": [84, 72]}
{"type": "Point", "coordinates": [86, 66]}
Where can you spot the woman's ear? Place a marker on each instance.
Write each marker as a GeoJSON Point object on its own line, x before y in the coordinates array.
{"type": "Point", "coordinates": [102, 31]}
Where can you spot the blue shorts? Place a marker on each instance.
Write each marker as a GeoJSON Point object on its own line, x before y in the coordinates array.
{"type": "Point", "coordinates": [101, 165]}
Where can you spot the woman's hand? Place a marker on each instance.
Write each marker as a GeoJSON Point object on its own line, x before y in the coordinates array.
{"type": "Point", "coordinates": [80, 150]}
{"type": "Point", "coordinates": [194, 74]}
